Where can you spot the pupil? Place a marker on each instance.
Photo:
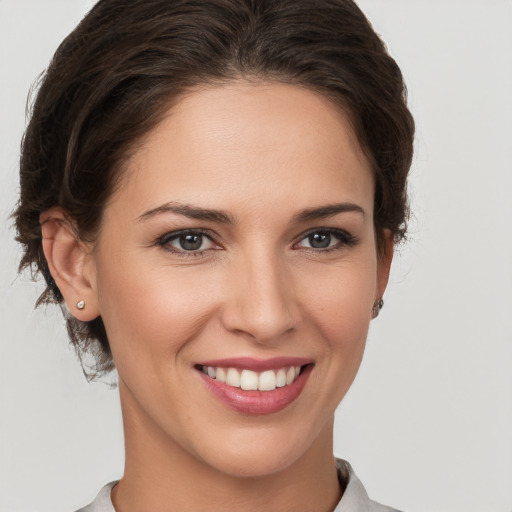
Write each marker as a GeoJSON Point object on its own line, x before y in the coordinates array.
{"type": "Point", "coordinates": [191, 242]}
{"type": "Point", "coordinates": [320, 240]}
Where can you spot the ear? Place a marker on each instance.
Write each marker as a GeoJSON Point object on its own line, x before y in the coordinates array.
{"type": "Point", "coordinates": [384, 259]}
{"type": "Point", "coordinates": [69, 263]}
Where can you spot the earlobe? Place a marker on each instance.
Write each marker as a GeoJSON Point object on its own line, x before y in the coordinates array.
{"type": "Point", "coordinates": [67, 258]}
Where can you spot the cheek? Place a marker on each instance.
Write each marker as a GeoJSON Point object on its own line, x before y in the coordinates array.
{"type": "Point", "coordinates": [342, 302]}
{"type": "Point", "coordinates": [342, 316]}
{"type": "Point", "coordinates": [150, 312]}
{"type": "Point", "coordinates": [341, 311]}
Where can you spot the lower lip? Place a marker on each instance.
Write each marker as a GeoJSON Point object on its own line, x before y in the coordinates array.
{"type": "Point", "coordinates": [257, 402]}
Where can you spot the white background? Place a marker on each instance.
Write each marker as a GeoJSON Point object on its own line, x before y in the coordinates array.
{"type": "Point", "coordinates": [428, 422]}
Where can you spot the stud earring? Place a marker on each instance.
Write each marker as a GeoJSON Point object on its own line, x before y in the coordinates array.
{"type": "Point", "coordinates": [377, 306]}
{"type": "Point", "coordinates": [80, 304]}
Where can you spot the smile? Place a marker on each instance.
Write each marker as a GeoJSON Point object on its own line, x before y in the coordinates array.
{"type": "Point", "coordinates": [252, 386]}
{"type": "Point", "coordinates": [250, 380]}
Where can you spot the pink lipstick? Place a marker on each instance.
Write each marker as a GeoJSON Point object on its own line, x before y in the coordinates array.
{"type": "Point", "coordinates": [256, 386]}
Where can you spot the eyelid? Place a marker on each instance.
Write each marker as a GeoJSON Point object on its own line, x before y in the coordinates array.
{"type": "Point", "coordinates": [345, 238]}
{"type": "Point", "coordinates": [164, 241]}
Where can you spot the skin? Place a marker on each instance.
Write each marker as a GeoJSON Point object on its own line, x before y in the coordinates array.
{"type": "Point", "coordinates": [262, 153]}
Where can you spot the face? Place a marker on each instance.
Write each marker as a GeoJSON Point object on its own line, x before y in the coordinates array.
{"type": "Point", "coordinates": [235, 272]}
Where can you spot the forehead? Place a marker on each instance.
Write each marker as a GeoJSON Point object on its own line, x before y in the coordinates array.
{"type": "Point", "coordinates": [231, 143]}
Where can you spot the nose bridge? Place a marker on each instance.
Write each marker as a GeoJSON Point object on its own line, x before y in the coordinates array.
{"type": "Point", "coordinates": [263, 303]}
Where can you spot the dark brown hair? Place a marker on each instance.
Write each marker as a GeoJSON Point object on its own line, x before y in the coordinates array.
{"type": "Point", "coordinates": [116, 74]}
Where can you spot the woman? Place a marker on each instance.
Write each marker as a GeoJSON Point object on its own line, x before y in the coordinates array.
{"type": "Point", "coordinates": [212, 190]}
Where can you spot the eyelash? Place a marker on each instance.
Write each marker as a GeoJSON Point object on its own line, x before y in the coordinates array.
{"type": "Point", "coordinates": [165, 240]}
{"type": "Point", "coordinates": [345, 239]}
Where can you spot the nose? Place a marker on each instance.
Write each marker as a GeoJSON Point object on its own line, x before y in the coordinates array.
{"type": "Point", "coordinates": [261, 301]}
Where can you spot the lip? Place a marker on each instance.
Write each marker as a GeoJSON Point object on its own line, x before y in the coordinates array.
{"type": "Point", "coordinates": [253, 401]}
{"type": "Point", "coordinates": [256, 365]}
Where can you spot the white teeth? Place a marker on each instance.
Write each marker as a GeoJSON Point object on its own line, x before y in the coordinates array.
{"type": "Point", "coordinates": [249, 380]}
{"type": "Point", "coordinates": [267, 381]}
{"type": "Point", "coordinates": [233, 378]}
{"type": "Point", "coordinates": [221, 375]}
{"type": "Point", "coordinates": [281, 378]}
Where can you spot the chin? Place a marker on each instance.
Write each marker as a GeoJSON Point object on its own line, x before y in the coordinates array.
{"type": "Point", "coordinates": [255, 453]}
{"type": "Point", "coordinates": [255, 462]}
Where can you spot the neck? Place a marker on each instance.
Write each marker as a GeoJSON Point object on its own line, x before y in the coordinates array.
{"type": "Point", "coordinates": [161, 476]}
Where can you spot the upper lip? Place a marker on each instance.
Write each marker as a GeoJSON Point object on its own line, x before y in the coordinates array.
{"type": "Point", "coordinates": [256, 365]}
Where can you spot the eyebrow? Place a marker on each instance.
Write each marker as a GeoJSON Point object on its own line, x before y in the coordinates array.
{"type": "Point", "coordinates": [192, 212]}
{"type": "Point", "coordinates": [324, 212]}
{"type": "Point", "coordinates": [206, 214]}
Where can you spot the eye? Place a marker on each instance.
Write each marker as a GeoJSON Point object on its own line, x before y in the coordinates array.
{"type": "Point", "coordinates": [187, 242]}
{"type": "Point", "coordinates": [327, 239]}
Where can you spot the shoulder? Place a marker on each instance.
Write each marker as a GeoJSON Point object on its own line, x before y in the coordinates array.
{"type": "Point", "coordinates": [355, 498]}
{"type": "Point", "coordinates": [102, 502]}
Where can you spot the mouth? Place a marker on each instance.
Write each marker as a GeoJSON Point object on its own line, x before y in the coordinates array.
{"type": "Point", "coordinates": [253, 386]}
{"type": "Point", "coordinates": [250, 380]}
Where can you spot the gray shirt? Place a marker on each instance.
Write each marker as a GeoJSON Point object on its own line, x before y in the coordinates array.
{"type": "Point", "coordinates": [354, 499]}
